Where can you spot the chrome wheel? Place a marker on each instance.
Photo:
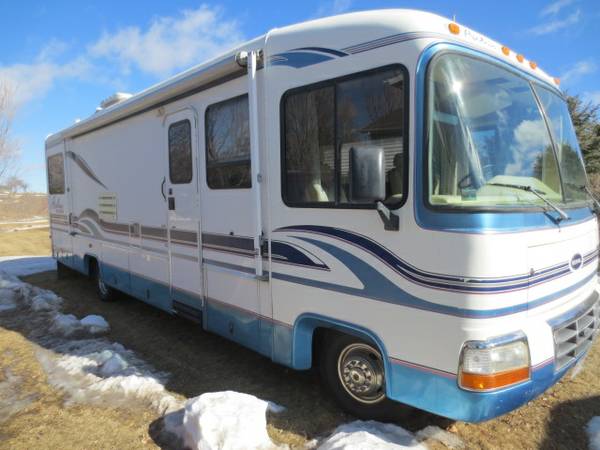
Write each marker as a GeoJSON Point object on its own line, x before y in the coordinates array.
{"type": "Point", "coordinates": [361, 372]}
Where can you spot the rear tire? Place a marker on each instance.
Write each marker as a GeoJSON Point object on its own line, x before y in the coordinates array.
{"type": "Point", "coordinates": [104, 291]}
{"type": "Point", "coordinates": [354, 372]}
{"type": "Point", "coordinates": [62, 271]}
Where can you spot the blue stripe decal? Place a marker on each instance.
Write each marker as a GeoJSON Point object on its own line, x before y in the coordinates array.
{"type": "Point", "coordinates": [298, 59]}
{"type": "Point", "coordinates": [378, 287]}
{"type": "Point", "coordinates": [439, 281]}
{"type": "Point", "coordinates": [323, 50]}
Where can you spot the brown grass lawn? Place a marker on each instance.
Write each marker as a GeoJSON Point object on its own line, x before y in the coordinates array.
{"type": "Point", "coordinates": [201, 362]}
{"type": "Point", "coordinates": [28, 242]}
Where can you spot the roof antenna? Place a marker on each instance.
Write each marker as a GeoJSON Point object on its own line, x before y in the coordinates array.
{"type": "Point", "coordinates": [454, 18]}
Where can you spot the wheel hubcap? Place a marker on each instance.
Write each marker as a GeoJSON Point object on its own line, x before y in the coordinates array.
{"type": "Point", "coordinates": [361, 372]}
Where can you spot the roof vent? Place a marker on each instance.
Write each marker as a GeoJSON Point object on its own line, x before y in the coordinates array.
{"type": "Point", "coordinates": [114, 99]}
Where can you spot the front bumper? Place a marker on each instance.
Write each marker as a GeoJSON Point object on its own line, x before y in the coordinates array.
{"type": "Point", "coordinates": [438, 392]}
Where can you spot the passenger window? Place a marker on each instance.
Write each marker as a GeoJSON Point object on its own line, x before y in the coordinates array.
{"type": "Point", "coordinates": [322, 124]}
{"type": "Point", "coordinates": [180, 152]}
{"type": "Point", "coordinates": [310, 147]}
{"type": "Point", "coordinates": [228, 144]}
{"type": "Point", "coordinates": [56, 174]}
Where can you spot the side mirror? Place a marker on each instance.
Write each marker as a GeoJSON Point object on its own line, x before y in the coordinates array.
{"type": "Point", "coordinates": [367, 174]}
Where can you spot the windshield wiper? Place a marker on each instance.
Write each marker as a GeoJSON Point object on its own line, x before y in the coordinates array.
{"type": "Point", "coordinates": [563, 215]}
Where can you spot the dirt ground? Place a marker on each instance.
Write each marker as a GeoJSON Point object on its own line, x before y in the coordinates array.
{"type": "Point", "coordinates": [201, 362]}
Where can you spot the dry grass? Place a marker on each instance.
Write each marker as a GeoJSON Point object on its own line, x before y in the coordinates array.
{"type": "Point", "coordinates": [28, 242]}
{"type": "Point", "coordinates": [23, 206]}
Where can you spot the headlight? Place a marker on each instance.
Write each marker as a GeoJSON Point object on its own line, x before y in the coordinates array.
{"type": "Point", "coordinates": [494, 364]}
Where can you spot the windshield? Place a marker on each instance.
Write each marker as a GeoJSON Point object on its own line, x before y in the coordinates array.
{"type": "Point", "coordinates": [486, 131]}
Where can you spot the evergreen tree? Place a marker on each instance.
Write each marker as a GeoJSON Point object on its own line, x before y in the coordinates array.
{"type": "Point", "coordinates": [586, 120]}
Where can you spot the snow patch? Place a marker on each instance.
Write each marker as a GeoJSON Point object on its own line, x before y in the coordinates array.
{"type": "Point", "coordinates": [225, 421]}
{"type": "Point", "coordinates": [100, 372]}
{"type": "Point", "coordinates": [359, 435]}
{"type": "Point", "coordinates": [26, 265]}
{"type": "Point", "coordinates": [593, 432]}
{"type": "Point", "coordinates": [95, 324]}
{"type": "Point", "coordinates": [450, 440]}
{"type": "Point", "coordinates": [86, 368]}
{"type": "Point", "coordinates": [68, 324]}
{"type": "Point", "coordinates": [46, 301]}
{"type": "Point", "coordinates": [7, 300]}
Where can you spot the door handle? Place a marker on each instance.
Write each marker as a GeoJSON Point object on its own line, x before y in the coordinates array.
{"type": "Point", "coordinates": [171, 203]}
{"type": "Point", "coordinates": [162, 188]}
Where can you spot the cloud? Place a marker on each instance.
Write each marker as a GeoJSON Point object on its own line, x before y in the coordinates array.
{"type": "Point", "coordinates": [555, 7]}
{"type": "Point", "coordinates": [580, 69]}
{"type": "Point", "coordinates": [33, 81]}
{"type": "Point", "coordinates": [557, 24]}
{"type": "Point", "coordinates": [591, 96]}
{"type": "Point", "coordinates": [170, 43]}
{"type": "Point", "coordinates": [166, 45]}
{"type": "Point", "coordinates": [333, 7]}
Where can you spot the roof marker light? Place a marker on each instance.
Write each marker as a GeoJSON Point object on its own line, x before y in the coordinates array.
{"type": "Point", "coordinates": [533, 65]}
{"type": "Point", "coordinates": [520, 58]}
{"type": "Point", "coordinates": [506, 50]}
{"type": "Point", "coordinates": [557, 80]}
{"type": "Point", "coordinates": [454, 28]}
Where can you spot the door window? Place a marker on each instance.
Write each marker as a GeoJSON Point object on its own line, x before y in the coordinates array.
{"type": "Point", "coordinates": [180, 152]}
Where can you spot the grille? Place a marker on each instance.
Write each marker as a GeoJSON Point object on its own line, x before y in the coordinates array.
{"type": "Point", "coordinates": [573, 338]}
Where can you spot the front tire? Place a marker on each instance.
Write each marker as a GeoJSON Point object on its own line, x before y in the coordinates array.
{"type": "Point", "coordinates": [104, 291]}
{"type": "Point", "coordinates": [354, 372]}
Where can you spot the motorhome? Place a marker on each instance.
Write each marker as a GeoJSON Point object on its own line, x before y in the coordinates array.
{"type": "Point", "coordinates": [388, 195]}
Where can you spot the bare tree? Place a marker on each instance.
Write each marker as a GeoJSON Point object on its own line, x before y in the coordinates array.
{"type": "Point", "coordinates": [9, 149]}
{"type": "Point", "coordinates": [15, 184]}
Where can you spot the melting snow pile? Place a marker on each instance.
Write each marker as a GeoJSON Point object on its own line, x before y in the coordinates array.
{"type": "Point", "coordinates": [225, 421]}
{"type": "Point", "coordinates": [89, 369]}
{"type": "Point", "coordinates": [373, 435]}
{"type": "Point", "coordinates": [26, 265]}
{"type": "Point", "coordinates": [593, 431]}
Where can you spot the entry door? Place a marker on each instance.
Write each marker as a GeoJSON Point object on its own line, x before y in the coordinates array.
{"type": "Point", "coordinates": [185, 251]}
{"type": "Point", "coordinates": [59, 204]}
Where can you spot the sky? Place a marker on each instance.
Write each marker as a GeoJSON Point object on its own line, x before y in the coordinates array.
{"type": "Point", "coordinates": [62, 58]}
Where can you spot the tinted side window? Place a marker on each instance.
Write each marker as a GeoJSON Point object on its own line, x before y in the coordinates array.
{"type": "Point", "coordinates": [228, 144]}
{"type": "Point", "coordinates": [56, 174]}
{"type": "Point", "coordinates": [310, 146]}
{"type": "Point", "coordinates": [180, 152]}
{"type": "Point", "coordinates": [322, 123]}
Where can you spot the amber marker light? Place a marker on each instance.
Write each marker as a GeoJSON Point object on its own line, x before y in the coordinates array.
{"type": "Point", "coordinates": [557, 81]}
{"type": "Point", "coordinates": [520, 58]}
{"type": "Point", "coordinates": [454, 28]}
{"type": "Point", "coordinates": [494, 364]}
{"type": "Point", "coordinates": [505, 50]}
{"type": "Point", "coordinates": [476, 382]}
{"type": "Point", "coordinates": [533, 65]}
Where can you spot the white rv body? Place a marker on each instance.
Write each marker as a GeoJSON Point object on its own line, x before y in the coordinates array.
{"type": "Point", "coordinates": [267, 274]}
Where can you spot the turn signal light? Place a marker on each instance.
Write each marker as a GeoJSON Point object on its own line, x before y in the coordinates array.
{"type": "Point", "coordinates": [485, 382]}
{"type": "Point", "coordinates": [506, 50]}
{"type": "Point", "coordinates": [454, 28]}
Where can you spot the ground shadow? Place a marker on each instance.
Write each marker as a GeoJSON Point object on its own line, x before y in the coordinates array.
{"type": "Point", "coordinates": [200, 362]}
{"type": "Point", "coordinates": [568, 422]}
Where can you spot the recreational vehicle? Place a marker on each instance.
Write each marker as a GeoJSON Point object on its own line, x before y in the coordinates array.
{"type": "Point", "coordinates": [387, 195]}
